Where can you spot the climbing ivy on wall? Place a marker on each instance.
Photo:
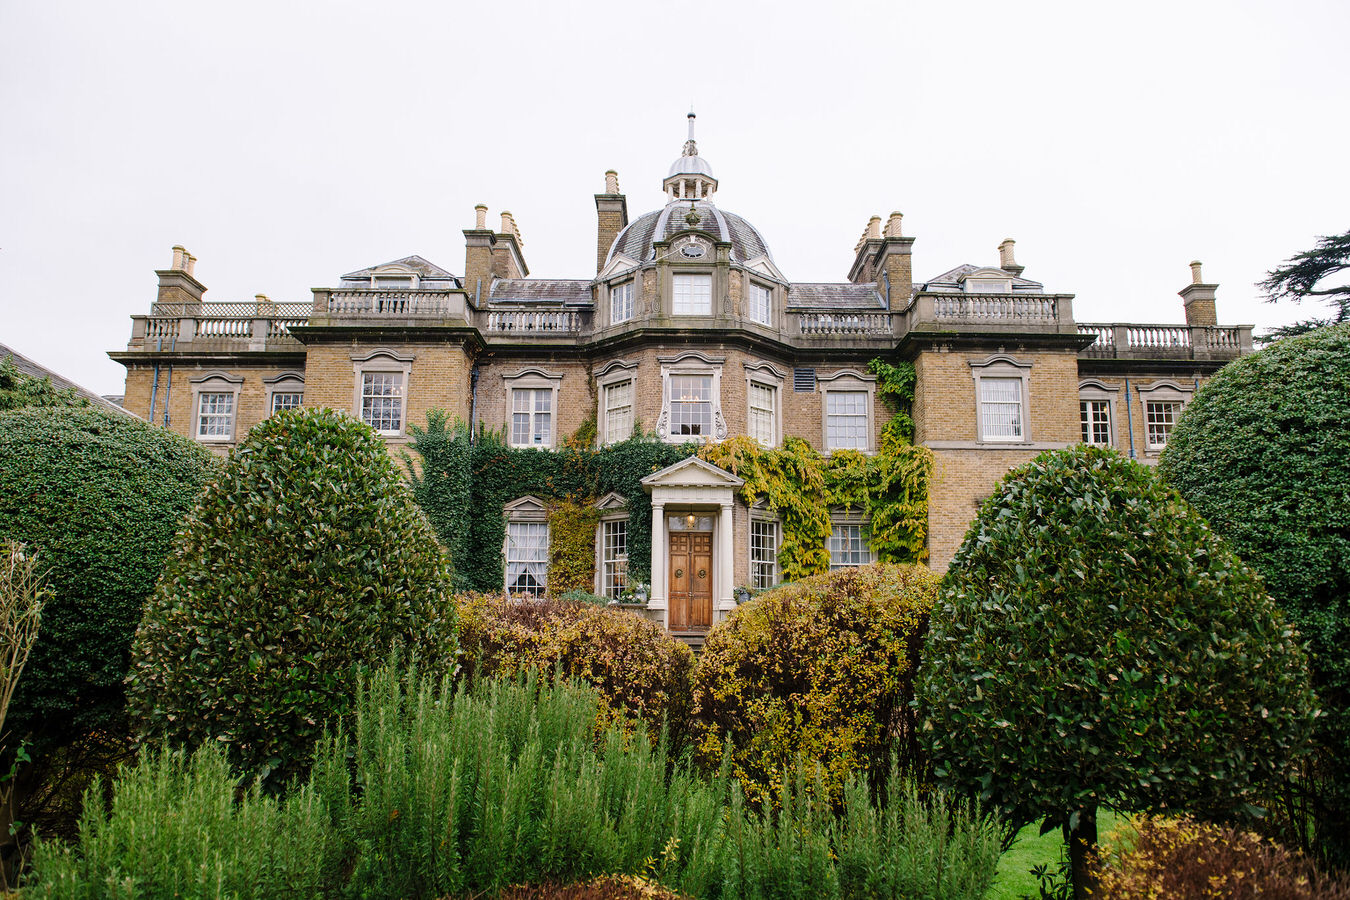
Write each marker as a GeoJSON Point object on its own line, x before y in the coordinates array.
{"type": "Point", "coordinates": [464, 485]}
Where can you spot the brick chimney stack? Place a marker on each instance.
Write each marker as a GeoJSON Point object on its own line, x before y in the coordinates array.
{"type": "Point", "coordinates": [1198, 298]}
{"type": "Point", "coordinates": [1006, 262]}
{"type": "Point", "coordinates": [882, 255]}
{"type": "Point", "coordinates": [177, 284]}
{"type": "Point", "coordinates": [611, 210]}
{"type": "Point", "coordinates": [508, 257]}
{"type": "Point", "coordinates": [478, 244]}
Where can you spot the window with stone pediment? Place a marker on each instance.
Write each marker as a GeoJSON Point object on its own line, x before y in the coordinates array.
{"type": "Point", "coordinates": [532, 402]}
{"type": "Point", "coordinates": [617, 386]}
{"type": "Point", "coordinates": [691, 399]}
{"type": "Point", "coordinates": [215, 404]}
{"type": "Point", "coordinates": [1096, 413]}
{"type": "Point", "coordinates": [1163, 403]}
{"type": "Point", "coordinates": [381, 394]}
{"type": "Point", "coordinates": [847, 410]}
{"type": "Point", "coordinates": [526, 548]}
{"type": "Point", "coordinates": [1001, 399]}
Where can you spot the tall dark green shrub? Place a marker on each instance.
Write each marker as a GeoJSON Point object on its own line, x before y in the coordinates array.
{"type": "Point", "coordinates": [306, 564]}
{"type": "Point", "coordinates": [1097, 644]}
{"type": "Point", "coordinates": [1263, 452]}
{"type": "Point", "coordinates": [98, 497]}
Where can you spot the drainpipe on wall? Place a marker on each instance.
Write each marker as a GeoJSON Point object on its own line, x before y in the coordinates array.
{"type": "Point", "coordinates": [473, 401]}
{"type": "Point", "coordinates": [1129, 417]}
{"type": "Point", "coordinates": [154, 389]}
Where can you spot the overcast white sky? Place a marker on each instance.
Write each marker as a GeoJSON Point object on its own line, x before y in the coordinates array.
{"type": "Point", "coordinates": [286, 143]}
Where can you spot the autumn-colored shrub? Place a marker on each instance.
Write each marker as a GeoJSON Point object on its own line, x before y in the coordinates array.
{"type": "Point", "coordinates": [640, 672]}
{"type": "Point", "coordinates": [606, 887]}
{"type": "Point", "coordinates": [1182, 859]}
{"type": "Point", "coordinates": [821, 669]}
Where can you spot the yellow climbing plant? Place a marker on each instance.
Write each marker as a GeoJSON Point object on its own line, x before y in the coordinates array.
{"type": "Point", "coordinates": [801, 485]}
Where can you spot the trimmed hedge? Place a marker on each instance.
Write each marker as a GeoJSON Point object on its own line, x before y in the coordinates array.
{"type": "Point", "coordinates": [820, 670]}
{"type": "Point", "coordinates": [1097, 644]}
{"type": "Point", "coordinates": [1263, 453]}
{"type": "Point", "coordinates": [98, 497]}
{"type": "Point", "coordinates": [305, 565]}
{"type": "Point", "coordinates": [640, 672]}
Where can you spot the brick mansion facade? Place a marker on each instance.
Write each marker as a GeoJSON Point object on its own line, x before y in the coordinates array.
{"type": "Point", "coordinates": [686, 327]}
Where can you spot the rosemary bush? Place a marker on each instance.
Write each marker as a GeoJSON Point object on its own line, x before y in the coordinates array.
{"type": "Point", "coordinates": [429, 792]}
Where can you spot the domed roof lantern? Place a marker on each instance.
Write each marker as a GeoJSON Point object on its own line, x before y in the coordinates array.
{"type": "Point", "coordinates": [690, 177]}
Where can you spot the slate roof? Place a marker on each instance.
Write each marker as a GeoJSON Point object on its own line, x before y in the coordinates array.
{"type": "Point", "coordinates": [428, 271]}
{"type": "Point", "coordinates": [834, 296]}
{"type": "Point", "coordinates": [636, 240]}
{"type": "Point", "coordinates": [541, 290]}
{"type": "Point", "coordinates": [37, 370]}
{"type": "Point", "coordinates": [948, 281]}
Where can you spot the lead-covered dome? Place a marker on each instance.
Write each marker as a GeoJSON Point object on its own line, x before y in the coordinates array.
{"type": "Point", "coordinates": [638, 240]}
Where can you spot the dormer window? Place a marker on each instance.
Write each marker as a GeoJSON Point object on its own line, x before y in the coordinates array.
{"type": "Point", "coordinates": [393, 278]}
{"type": "Point", "coordinates": [988, 286]}
{"type": "Point", "coordinates": [692, 295]}
{"type": "Point", "coordinates": [621, 303]}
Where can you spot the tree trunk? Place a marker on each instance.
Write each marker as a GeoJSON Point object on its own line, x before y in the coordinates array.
{"type": "Point", "coordinates": [1081, 840]}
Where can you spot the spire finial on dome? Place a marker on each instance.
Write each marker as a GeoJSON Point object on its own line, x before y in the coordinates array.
{"type": "Point", "coordinates": [690, 148]}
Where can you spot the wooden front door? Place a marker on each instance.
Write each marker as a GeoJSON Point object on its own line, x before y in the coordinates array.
{"type": "Point", "coordinates": [690, 580]}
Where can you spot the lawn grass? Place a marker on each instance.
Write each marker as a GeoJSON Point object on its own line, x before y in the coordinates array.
{"type": "Point", "coordinates": [1014, 879]}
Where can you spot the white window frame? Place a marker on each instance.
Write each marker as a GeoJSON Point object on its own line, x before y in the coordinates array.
{"type": "Point", "coordinates": [693, 364]}
{"type": "Point", "coordinates": [287, 383]}
{"type": "Point", "coordinates": [845, 524]}
{"type": "Point", "coordinates": [1098, 392]}
{"type": "Point", "coordinates": [769, 377]}
{"type": "Point", "coordinates": [382, 362]}
{"type": "Point", "coordinates": [1161, 392]}
{"type": "Point", "coordinates": [612, 375]}
{"type": "Point", "coordinates": [847, 382]}
{"type": "Point", "coordinates": [621, 301]}
{"type": "Point", "coordinates": [1002, 368]}
{"type": "Point", "coordinates": [532, 380]}
{"type": "Point", "coordinates": [529, 516]}
{"type": "Point", "coordinates": [986, 285]}
{"type": "Point", "coordinates": [759, 305]}
{"type": "Point", "coordinates": [679, 279]}
{"type": "Point", "coordinates": [216, 384]}
{"type": "Point", "coordinates": [762, 517]}
{"type": "Point", "coordinates": [613, 509]}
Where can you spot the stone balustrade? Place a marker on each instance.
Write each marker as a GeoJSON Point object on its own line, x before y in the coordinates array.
{"type": "Point", "coordinates": [1132, 340]}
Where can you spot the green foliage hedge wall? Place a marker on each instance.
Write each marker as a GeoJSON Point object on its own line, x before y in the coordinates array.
{"type": "Point", "coordinates": [98, 497]}
{"type": "Point", "coordinates": [305, 565]}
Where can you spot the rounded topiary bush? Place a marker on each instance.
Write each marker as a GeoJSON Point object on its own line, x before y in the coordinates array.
{"type": "Point", "coordinates": [305, 565]}
{"type": "Point", "coordinates": [641, 673]}
{"type": "Point", "coordinates": [1263, 453]}
{"type": "Point", "coordinates": [98, 498]}
{"type": "Point", "coordinates": [1097, 644]}
{"type": "Point", "coordinates": [820, 669]}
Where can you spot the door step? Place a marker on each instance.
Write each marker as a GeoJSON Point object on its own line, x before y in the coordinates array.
{"type": "Point", "coordinates": [695, 639]}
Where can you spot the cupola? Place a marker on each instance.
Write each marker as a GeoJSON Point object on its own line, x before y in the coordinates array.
{"type": "Point", "coordinates": [690, 177]}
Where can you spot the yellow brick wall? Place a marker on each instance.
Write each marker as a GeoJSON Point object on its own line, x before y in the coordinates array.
{"type": "Point", "coordinates": [944, 401]}
{"type": "Point", "coordinates": [576, 402]}
{"type": "Point", "coordinates": [174, 391]}
{"type": "Point", "coordinates": [962, 479]}
{"type": "Point", "coordinates": [438, 379]}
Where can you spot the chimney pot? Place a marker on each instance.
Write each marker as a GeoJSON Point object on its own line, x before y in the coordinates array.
{"type": "Point", "coordinates": [1195, 272]}
{"type": "Point", "coordinates": [611, 182]}
{"type": "Point", "coordinates": [191, 263]}
{"type": "Point", "coordinates": [874, 228]}
{"type": "Point", "coordinates": [893, 225]}
{"type": "Point", "coordinates": [178, 254]}
{"type": "Point", "coordinates": [508, 223]}
{"type": "Point", "coordinates": [1005, 253]}
{"type": "Point", "coordinates": [480, 217]}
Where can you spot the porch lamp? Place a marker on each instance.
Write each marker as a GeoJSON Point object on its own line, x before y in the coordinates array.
{"type": "Point", "coordinates": [689, 520]}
